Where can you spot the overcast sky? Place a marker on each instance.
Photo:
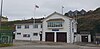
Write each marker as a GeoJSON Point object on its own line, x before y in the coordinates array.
{"type": "Point", "coordinates": [24, 9]}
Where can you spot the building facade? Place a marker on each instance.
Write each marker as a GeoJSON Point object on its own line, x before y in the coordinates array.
{"type": "Point", "coordinates": [4, 19]}
{"type": "Point", "coordinates": [54, 28]}
{"type": "Point", "coordinates": [83, 37]}
{"type": "Point", "coordinates": [58, 28]}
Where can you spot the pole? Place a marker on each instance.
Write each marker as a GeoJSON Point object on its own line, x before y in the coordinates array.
{"type": "Point", "coordinates": [34, 15]}
{"type": "Point", "coordinates": [35, 12]}
{"type": "Point", "coordinates": [1, 11]}
{"type": "Point", "coordinates": [62, 9]}
{"type": "Point", "coordinates": [33, 20]}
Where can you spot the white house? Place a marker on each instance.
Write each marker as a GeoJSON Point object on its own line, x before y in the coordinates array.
{"type": "Point", "coordinates": [55, 27]}
{"type": "Point", "coordinates": [27, 30]}
{"type": "Point", "coordinates": [58, 28]}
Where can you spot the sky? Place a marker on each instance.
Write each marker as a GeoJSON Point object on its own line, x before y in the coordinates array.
{"type": "Point", "coordinates": [24, 9]}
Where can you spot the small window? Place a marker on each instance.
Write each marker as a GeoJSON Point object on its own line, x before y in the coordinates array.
{"type": "Point", "coordinates": [41, 25]}
{"type": "Point", "coordinates": [18, 33]}
{"type": "Point", "coordinates": [72, 29]}
{"type": "Point", "coordinates": [26, 26]}
{"type": "Point", "coordinates": [26, 35]}
{"type": "Point", "coordinates": [35, 34]}
{"type": "Point", "coordinates": [18, 26]}
{"type": "Point", "coordinates": [35, 26]}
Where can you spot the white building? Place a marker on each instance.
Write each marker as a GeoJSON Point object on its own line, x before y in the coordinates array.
{"type": "Point", "coordinates": [26, 30]}
{"type": "Point", "coordinates": [55, 28]}
{"type": "Point", "coordinates": [4, 19]}
{"type": "Point", "coordinates": [58, 28]}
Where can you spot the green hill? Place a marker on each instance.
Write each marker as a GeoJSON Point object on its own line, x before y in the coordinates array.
{"type": "Point", "coordinates": [90, 22]}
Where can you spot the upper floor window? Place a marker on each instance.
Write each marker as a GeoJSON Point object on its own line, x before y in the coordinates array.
{"type": "Point", "coordinates": [18, 26]}
{"type": "Point", "coordinates": [55, 24]}
{"type": "Point", "coordinates": [35, 26]}
{"type": "Point", "coordinates": [26, 26]}
{"type": "Point", "coordinates": [41, 26]}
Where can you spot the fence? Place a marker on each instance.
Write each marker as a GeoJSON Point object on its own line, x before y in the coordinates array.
{"type": "Point", "coordinates": [6, 36]}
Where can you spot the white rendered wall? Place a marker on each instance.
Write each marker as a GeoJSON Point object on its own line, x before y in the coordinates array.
{"type": "Point", "coordinates": [66, 27]}
{"type": "Point", "coordinates": [78, 38]}
{"type": "Point", "coordinates": [30, 31]}
{"type": "Point", "coordinates": [89, 38]}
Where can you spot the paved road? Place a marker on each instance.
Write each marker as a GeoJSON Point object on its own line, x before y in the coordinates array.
{"type": "Point", "coordinates": [48, 47]}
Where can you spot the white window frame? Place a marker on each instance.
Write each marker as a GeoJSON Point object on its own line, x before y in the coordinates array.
{"type": "Point", "coordinates": [18, 26]}
{"type": "Point", "coordinates": [18, 33]}
{"type": "Point", "coordinates": [35, 26]}
{"type": "Point", "coordinates": [53, 24]}
{"type": "Point", "coordinates": [35, 34]}
{"type": "Point", "coordinates": [26, 26]}
{"type": "Point", "coordinates": [26, 35]}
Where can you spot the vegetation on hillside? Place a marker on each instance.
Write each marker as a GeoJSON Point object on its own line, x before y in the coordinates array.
{"type": "Point", "coordinates": [90, 22]}
{"type": "Point", "coordinates": [5, 45]}
{"type": "Point", "coordinates": [9, 25]}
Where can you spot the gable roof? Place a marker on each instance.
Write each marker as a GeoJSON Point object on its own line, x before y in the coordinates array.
{"type": "Point", "coordinates": [57, 14]}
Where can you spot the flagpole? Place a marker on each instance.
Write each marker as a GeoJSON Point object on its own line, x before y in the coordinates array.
{"type": "Point", "coordinates": [36, 6]}
{"type": "Point", "coordinates": [34, 14]}
{"type": "Point", "coordinates": [1, 12]}
{"type": "Point", "coordinates": [62, 10]}
{"type": "Point", "coordinates": [33, 18]}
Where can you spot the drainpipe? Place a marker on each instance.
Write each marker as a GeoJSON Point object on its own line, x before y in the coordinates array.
{"type": "Point", "coordinates": [70, 31]}
{"type": "Point", "coordinates": [42, 30]}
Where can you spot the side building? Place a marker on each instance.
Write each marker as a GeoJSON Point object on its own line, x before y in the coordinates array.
{"type": "Point", "coordinates": [28, 30]}
{"type": "Point", "coordinates": [4, 19]}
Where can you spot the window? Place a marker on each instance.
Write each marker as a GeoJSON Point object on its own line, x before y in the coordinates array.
{"type": "Point", "coordinates": [41, 25]}
{"type": "Point", "coordinates": [18, 33]}
{"type": "Point", "coordinates": [18, 26]}
{"type": "Point", "coordinates": [26, 26]}
{"type": "Point", "coordinates": [72, 27]}
{"type": "Point", "coordinates": [35, 34]}
{"type": "Point", "coordinates": [26, 35]}
{"type": "Point", "coordinates": [35, 26]}
{"type": "Point", "coordinates": [55, 24]}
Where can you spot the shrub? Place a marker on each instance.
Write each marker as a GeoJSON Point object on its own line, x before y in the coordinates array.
{"type": "Point", "coordinates": [5, 45]}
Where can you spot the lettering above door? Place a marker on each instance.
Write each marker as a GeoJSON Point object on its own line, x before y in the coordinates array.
{"type": "Point", "coordinates": [55, 29]}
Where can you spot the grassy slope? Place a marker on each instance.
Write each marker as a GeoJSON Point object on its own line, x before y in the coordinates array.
{"type": "Point", "coordinates": [90, 22]}
{"type": "Point", "coordinates": [7, 26]}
